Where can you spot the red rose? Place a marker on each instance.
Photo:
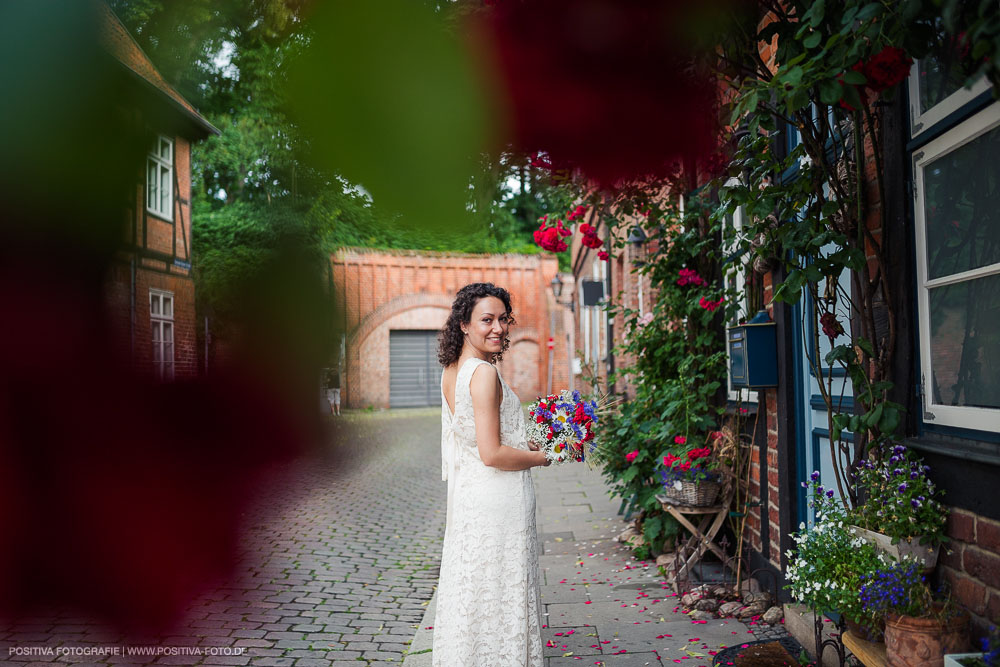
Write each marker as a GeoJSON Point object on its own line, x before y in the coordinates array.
{"type": "Point", "coordinates": [603, 256]}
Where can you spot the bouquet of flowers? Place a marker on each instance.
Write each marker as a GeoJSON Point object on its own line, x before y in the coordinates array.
{"type": "Point", "coordinates": [563, 426]}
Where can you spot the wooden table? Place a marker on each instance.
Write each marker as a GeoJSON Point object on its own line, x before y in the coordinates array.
{"type": "Point", "coordinates": [870, 654]}
{"type": "Point", "coordinates": [702, 538]}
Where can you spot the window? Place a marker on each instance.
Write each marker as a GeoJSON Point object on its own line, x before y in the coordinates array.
{"type": "Point", "coordinates": [161, 318]}
{"type": "Point", "coordinates": [936, 90]}
{"type": "Point", "coordinates": [735, 277]}
{"type": "Point", "coordinates": [956, 205]}
{"type": "Point", "coordinates": [160, 178]}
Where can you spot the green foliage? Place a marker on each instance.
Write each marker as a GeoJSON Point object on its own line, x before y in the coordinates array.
{"type": "Point", "coordinates": [806, 207]}
{"type": "Point", "coordinates": [830, 562]}
{"type": "Point", "coordinates": [679, 362]}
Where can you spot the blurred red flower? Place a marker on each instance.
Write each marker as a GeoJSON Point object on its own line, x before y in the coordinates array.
{"type": "Point", "coordinates": [606, 86]}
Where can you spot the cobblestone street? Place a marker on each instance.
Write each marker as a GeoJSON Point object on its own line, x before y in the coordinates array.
{"type": "Point", "coordinates": [336, 569]}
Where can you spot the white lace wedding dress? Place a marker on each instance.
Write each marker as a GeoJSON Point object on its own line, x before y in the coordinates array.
{"type": "Point", "coordinates": [488, 602]}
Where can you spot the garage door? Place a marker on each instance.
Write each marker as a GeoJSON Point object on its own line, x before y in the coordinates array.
{"type": "Point", "coordinates": [414, 372]}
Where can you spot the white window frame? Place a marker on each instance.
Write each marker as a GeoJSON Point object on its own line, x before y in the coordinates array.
{"type": "Point", "coordinates": [980, 419]}
{"type": "Point", "coordinates": [740, 284]}
{"type": "Point", "coordinates": [921, 122]}
{"type": "Point", "coordinates": [160, 170]}
{"type": "Point", "coordinates": [159, 323]}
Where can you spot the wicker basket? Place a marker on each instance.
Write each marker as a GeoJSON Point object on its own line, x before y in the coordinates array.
{"type": "Point", "coordinates": [692, 494]}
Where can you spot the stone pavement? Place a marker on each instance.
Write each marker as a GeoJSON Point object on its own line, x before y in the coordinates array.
{"type": "Point", "coordinates": [337, 566]}
{"type": "Point", "coordinates": [601, 606]}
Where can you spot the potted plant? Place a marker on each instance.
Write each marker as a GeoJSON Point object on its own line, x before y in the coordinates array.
{"type": "Point", "coordinates": [919, 628]}
{"type": "Point", "coordinates": [690, 478]}
{"type": "Point", "coordinates": [901, 513]}
{"type": "Point", "coordinates": [829, 562]}
{"type": "Point", "coordinates": [989, 657]}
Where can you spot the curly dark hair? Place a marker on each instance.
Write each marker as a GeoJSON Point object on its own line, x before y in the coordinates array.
{"type": "Point", "coordinates": [451, 339]}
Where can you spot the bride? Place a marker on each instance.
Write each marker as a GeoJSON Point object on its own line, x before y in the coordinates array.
{"type": "Point", "coordinates": [488, 603]}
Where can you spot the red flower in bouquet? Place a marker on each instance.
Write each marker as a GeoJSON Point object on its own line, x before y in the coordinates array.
{"type": "Point", "coordinates": [669, 460]}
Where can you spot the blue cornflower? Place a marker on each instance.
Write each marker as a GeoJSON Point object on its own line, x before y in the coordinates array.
{"type": "Point", "coordinates": [576, 396]}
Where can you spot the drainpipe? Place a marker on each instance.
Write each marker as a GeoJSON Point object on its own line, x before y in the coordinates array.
{"type": "Point", "coordinates": [551, 340]}
{"type": "Point", "coordinates": [131, 324]}
{"type": "Point", "coordinates": [611, 319]}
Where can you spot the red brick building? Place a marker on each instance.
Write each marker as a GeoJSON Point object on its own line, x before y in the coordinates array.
{"type": "Point", "coordinates": [396, 302]}
{"type": "Point", "coordinates": [150, 291]}
{"type": "Point", "coordinates": [945, 364]}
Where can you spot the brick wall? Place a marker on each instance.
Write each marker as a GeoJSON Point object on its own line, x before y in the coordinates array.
{"type": "Point", "coordinates": [970, 565]}
{"type": "Point", "coordinates": [385, 290]}
{"type": "Point", "coordinates": [153, 244]}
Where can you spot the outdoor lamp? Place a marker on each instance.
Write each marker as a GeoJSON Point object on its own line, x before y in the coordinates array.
{"type": "Point", "coordinates": [556, 287]}
{"type": "Point", "coordinates": [637, 239]}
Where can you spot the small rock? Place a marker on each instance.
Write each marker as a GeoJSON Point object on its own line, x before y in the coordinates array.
{"type": "Point", "coordinates": [761, 596]}
{"type": "Point", "coordinates": [707, 604]}
{"type": "Point", "coordinates": [636, 541]}
{"type": "Point", "coordinates": [703, 590]}
{"type": "Point", "coordinates": [773, 615]}
{"type": "Point", "coordinates": [665, 560]}
{"type": "Point", "coordinates": [689, 599]}
{"type": "Point", "coordinates": [699, 615]}
{"type": "Point", "coordinates": [730, 608]}
{"type": "Point", "coordinates": [753, 609]}
{"type": "Point", "coordinates": [723, 592]}
{"type": "Point", "coordinates": [626, 534]}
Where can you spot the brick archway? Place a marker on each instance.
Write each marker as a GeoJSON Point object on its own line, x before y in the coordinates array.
{"type": "Point", "coordinates": [398, 305]}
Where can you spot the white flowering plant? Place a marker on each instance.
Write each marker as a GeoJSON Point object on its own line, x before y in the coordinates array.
{"type": "Point", "coordinates": [829, 562]}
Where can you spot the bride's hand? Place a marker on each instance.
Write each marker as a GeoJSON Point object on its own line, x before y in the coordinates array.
{"type": "Point", "coordinates": [532, 446]}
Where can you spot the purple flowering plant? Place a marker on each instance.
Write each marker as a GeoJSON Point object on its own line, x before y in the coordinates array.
{"type": "Point", "coordinates": [902, 589]}
{"type": "Point", "coordinates": [900, 500]}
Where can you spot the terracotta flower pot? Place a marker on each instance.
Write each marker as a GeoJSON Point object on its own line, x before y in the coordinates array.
{"type": "Point", "coordinates": [869, 633]}
{"type": "Point", "coordinates": [923, 642]}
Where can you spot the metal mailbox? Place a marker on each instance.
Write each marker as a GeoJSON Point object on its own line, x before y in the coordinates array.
{"type": "Point", "coordinates": [753, 356]}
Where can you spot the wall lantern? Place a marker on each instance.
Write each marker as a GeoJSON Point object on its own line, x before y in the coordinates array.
{"type": "Point", "coordinates": [753, 355]}
{"type": "Point", "coordinates": [557, 286]}
{"type": "Point", "coordinates": [637, 239]}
